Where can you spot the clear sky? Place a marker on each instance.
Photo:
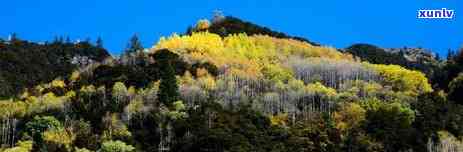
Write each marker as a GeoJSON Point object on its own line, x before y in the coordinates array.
{"type": "Point", "coordinates": [390, 23]}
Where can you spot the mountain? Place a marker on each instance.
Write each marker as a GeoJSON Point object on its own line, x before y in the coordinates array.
{"type": "Point", "coordinates": [227, 86]}
{"type": "Point", "coordinates": [413, 58]}
{"type": "Point", "coordinates": [417, 55]}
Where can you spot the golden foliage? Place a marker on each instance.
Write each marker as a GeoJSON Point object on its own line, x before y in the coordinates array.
{"type": "Point", "coordinates": [319, 88]}
{"type": "Point", "coordinates": [201, 72]}
{"type": "Point", "coordinates": [207, 82]}
{"type": "Point", "coordinates": [75, 76]}
{"type": "Point", "coordinates": [70, 94]}
{"type": "Point", "coordinates": [57, 83]}
{"type": "Point", "coordinates": [88, 89]}
{"type": "Point", "coordinates": [10, 109]}
{"type": "Point", "coordinates": [279, 120]}
{"type": "Point", "coordinates": [401, 79]}
{"type": "Point", "coordinates": [350, 115]}
{"type": "Point", "coordinates": [277, 73]}
{"type": "Point", "coordinates": [115, 128]}
{"type": "Point", "coordinates": [135, 105]}
{"type": "Point", "coordinates": [22, 146]}
{"type": "Point", "coordinates": [241, 54]}
{"type": "Point", "coordinates": [59, 138]}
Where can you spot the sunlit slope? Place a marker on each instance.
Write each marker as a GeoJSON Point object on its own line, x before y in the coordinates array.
{"type": "Point", "coordinates": [242, 54]}
{"type": "Point", "coordinates": [281, 60]}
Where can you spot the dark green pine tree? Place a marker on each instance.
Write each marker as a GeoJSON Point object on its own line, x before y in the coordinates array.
{"type": "Point", "coordinates": [168, 88]}
{"type": "Point", "coordinates": [450, 54]}
{"type": "Point", "coordinates": [456, 89]}
{"type": "Point", "coordinates": [134, 45]}
{"type": "Point", "coordinates": [99, 42]}
{"type": "Point", "coordinates": [437, 57]}
{"type": "Point", "coordinates": [68, 40]}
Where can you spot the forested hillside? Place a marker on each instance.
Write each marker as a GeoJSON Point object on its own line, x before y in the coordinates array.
{"type": "Point", "coordinates": [229, 85]}
{"type": "Point", "coordinates": [439, 72]}
{"type": "Point", "coordinates": [25, 64]}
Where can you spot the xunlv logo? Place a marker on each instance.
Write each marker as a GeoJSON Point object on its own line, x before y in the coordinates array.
{"type": "Point", "coordinates": [440, 13]}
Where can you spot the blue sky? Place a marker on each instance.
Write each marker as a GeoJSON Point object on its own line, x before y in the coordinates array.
{"type": "Point", "coordinates": [391, 23]}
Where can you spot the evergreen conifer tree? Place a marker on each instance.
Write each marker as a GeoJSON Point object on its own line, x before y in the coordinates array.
{"type": "Point", "coordinates": [168, 88]}
{"type": "Point", "coordinates": [99, 42]}
{"type": "Point", "coordinates": [134, 45]}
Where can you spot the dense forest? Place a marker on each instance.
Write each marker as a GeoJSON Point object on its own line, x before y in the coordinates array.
{"type": "Point", "coordinates": [227, 85]}
{"type": "Point", "coordinates": [26, 64]}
